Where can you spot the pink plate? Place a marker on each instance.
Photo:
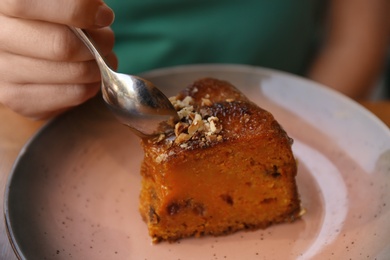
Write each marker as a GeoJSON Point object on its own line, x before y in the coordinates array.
{"type": "Point", "coordinates": [73, 192]}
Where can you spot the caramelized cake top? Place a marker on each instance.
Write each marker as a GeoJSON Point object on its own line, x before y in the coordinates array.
{"type": "Point", "coordinates": [212, 111]}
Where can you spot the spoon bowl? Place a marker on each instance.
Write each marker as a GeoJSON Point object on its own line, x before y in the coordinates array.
{"type": "Point", "coordinates": [136, 102]}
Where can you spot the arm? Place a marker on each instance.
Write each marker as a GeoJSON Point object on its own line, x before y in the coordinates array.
{"type": "Point", "coordinates": [355, 46]}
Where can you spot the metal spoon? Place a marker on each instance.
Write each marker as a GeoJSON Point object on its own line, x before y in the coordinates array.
{"type": "Point", "coordinates": [134, 101]}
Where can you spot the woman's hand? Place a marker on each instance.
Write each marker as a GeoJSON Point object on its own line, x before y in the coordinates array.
{"type": "Point", "coordinates": [44, 68]}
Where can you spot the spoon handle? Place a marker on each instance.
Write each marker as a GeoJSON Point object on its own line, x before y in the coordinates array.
{"type": "Point", "coordinates": [88, 41]}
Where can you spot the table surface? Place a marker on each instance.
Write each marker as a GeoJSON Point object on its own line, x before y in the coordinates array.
{"type": "Point", "coordinates": [16, 130]}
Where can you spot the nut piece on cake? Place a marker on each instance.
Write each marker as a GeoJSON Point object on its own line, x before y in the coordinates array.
{"type": "Point", "coordinates": [227, 166]}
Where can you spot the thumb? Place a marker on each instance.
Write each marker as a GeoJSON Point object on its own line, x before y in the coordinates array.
{"type": "Point", "coordinates": [80, 13]}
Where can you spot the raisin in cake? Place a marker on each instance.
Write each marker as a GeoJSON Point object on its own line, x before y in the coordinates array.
{"type": "Point", "coordinates": [227, 166]}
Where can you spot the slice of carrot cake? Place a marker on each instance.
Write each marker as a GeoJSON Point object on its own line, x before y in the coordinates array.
{"type": "Point", "coordinates": [227, 166]}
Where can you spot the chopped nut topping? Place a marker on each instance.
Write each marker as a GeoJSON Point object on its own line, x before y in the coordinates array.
{"type": "Point", "coordinates": [195, 125]}
{"type": "Point", "coordinates": [180, 127]}
{"type": "Point", "coordinates": [215, 127]}
{"type": "Point", "coordinates": [160, 138]}
{"type": "Point", "coordinates": [181, 138]}
{"type": "Point", "coordinates": [162, 157]}
{"type": "Point", "coordinates": [179, 104]}
{"type": "Point", "coordinates": [185, 111]}
{"type": "Point", "coordinates": [206, 102]}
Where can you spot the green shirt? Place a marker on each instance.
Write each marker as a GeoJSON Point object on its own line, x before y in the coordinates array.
{"type": "Point", "coordinates": [276, 34]}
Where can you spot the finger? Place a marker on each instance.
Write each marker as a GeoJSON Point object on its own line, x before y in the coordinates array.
{"type": "Point", "coordinates": [29, 70]}
{"type": "Point", "coordinates": [44, 101]}
{"type": "Point", "coordinates": [50, 41]}
{"type": "Point", "coordinates": [79, 13]}
{"type": "Point", "coordinates": [43, 71]}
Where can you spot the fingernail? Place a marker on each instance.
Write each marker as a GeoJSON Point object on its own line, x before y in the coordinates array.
{"type": "Point", "coordinates": [104, 16]}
